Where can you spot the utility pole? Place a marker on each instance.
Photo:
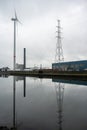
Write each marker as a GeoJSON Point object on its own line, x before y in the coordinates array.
{"type": "Point", "coordinates": [59, 51]}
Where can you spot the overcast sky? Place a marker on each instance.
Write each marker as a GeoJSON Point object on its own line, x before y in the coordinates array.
{"type": "Point", "coordinates": [38, 30]}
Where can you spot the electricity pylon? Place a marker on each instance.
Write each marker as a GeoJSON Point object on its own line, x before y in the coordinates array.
{"type": "Point", "coordinates": [59, 51]}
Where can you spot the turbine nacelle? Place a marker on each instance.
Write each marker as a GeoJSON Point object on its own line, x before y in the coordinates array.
{"type": "Point", "coordinates": [15, 19]}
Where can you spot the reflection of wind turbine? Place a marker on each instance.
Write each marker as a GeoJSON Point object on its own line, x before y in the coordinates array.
{"type": "Point", "coordinates": [59, 87]}
{"type": "Point", "coordinates": [15, 126]}
{"type": "Point", "coordinates": [14, 103]}
{"type": "Point", "coordinates": [15, 19]}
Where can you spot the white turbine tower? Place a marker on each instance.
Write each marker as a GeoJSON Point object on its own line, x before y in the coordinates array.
{"type": "Point", "coordinates": [15, 20]}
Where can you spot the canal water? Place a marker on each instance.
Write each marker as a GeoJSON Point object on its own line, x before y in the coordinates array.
{"type": "Point", "coordinates": [28, 103]}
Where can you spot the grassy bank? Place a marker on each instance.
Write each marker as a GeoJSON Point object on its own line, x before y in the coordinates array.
{"type": "Point", "coordinates": [48, 72]}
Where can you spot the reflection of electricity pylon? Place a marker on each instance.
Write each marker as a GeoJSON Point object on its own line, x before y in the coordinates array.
{"type": "Point", "coordinates": [59, 87]}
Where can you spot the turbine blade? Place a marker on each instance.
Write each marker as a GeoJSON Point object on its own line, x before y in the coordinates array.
{"type": "Point", "coordinates": [17, 18]}
{"type": "Point", "coordinates": [15, 15]}
{"type": "Point", "coordinates": [18, 21]}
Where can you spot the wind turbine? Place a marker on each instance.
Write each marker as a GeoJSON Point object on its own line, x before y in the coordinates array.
{"type": "Point", "coordinates": [15, 20]}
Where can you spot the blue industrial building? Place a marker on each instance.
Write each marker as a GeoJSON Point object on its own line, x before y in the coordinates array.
{"type": "Point", "coordinates": [70, 66]}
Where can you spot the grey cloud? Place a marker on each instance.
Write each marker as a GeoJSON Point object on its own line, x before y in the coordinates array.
{"type": "Point", "coordinates": [37, 34]}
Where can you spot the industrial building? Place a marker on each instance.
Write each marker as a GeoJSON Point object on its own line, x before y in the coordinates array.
{"type": "Point", "coordinates": [71, 66]}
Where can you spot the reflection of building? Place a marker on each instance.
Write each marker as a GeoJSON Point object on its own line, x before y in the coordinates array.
{"type": "Point", "coordinates": [70, 81]}
{"type": "Point", "coordinates": [19, 78]}
{"type": "Point", "coordinates": [4, 75]}
{"type": "Point", "coordinates": [71, 66]}
{"type": "Point", "coordinates": [59, 87]}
